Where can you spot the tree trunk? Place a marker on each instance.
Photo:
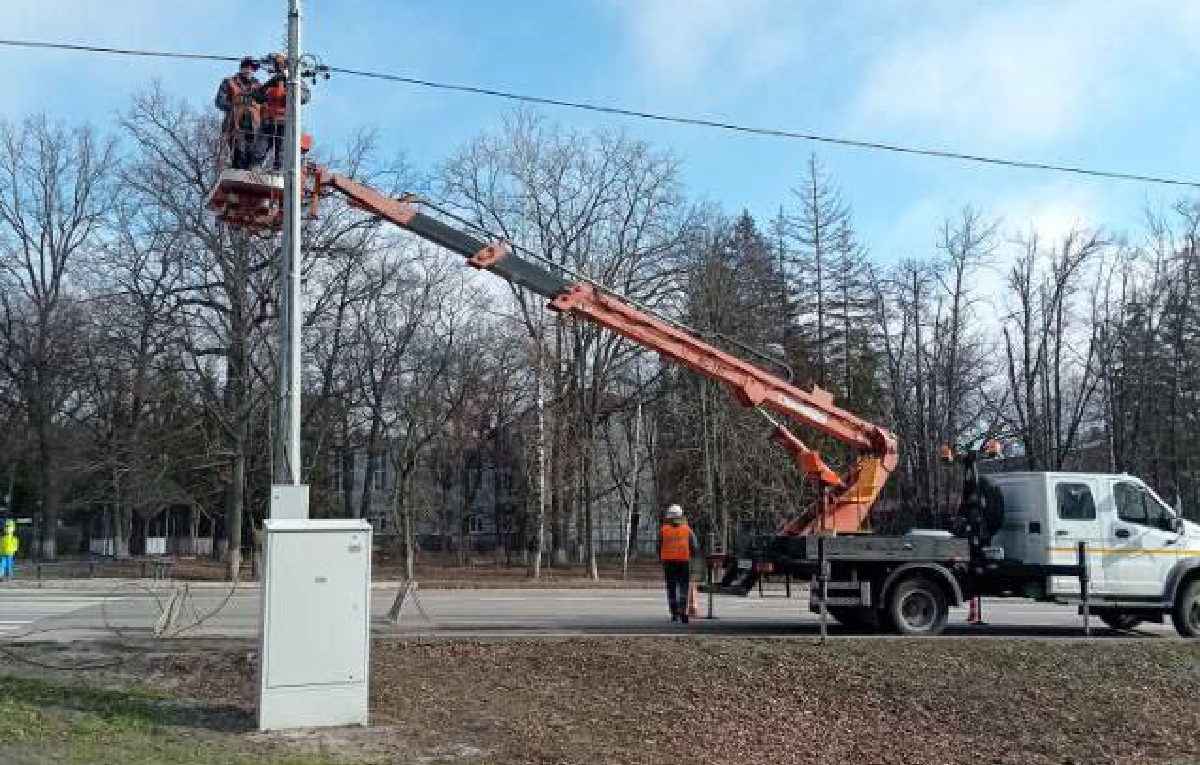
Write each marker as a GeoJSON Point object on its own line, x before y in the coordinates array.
{"type": "Point", "coordinates": [372, 465]}
{"type": "Point", "coordinates": [409, 557]}
{"type": "Point", "coordinates": [589, 511]}
{"type": "Point", "coordinates": [123, 533]}
{"type": "Point", "coordinates": [347, 457]}
{"type": "Point", "coordinates": [540, 516]}
{"type": "Point", "coordinates": [237, 496]}
{"type": "Point", "coordinates": [193, 529]}
{"type": "Point", "coordinates": [49, 484]}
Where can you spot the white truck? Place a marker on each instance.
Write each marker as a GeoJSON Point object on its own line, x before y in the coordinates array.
{"type": "Point", "coordinates": [1143, 559]}
{"type": "Point", "coordinates": [1140, 560]}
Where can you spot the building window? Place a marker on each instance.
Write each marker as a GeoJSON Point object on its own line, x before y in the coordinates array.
{"type": "Point", "coordinates": [474, 524]}
{"type": "Point", "coordinates": [377, 480]}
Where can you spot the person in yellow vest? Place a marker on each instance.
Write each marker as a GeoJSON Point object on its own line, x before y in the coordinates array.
{"type": "Point", "coordinates": [676, 546]}
{"type": "Point", "coordinates": [9, 544]}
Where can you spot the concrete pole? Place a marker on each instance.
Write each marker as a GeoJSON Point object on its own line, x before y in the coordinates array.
{"type": "Point", "coordinates": [287, 420]}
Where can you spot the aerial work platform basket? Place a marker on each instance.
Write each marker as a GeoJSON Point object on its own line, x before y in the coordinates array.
{"type": "Point", "coordinates": [248, 199]}
{"type": "Point", "coordinates": [251, 199]}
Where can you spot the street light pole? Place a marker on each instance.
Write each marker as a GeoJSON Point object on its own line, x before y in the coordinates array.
{"type": "Point", "coordinates": [288, 367]}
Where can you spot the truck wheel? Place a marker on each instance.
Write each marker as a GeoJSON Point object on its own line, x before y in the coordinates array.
{"type": "Point", "coordinates": [1121, 622]}
{"type": "Point", "coordinates": [918, 607]}
{"type": "Point", "coordinates": [864, 619]}
{"type": "Point", "coordinates": [1186, 612]}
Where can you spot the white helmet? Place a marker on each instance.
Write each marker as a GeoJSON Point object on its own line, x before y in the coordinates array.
{"type": "Point", "coordinates": [674, 511]}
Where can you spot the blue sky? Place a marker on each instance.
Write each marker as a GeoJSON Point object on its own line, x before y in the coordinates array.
{"type": "Point", "coordinates": [1106, 83]}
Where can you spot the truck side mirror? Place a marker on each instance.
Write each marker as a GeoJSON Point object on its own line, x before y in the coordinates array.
{"type": "Point", "coordinates": [1177, 524]}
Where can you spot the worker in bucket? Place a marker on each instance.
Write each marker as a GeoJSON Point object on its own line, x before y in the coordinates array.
{"type": "Point", "coordinates": [273, 97]}
{"type": "Point", "coordinates": [238, 97]}
{"type": "Point", "coordinates": [676, 546]}
{"type": "Point", "coordinates": [9, 544]}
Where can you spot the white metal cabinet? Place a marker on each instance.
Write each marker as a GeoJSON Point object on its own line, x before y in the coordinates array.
{"type": "Point", "coordinates": [315, 656]}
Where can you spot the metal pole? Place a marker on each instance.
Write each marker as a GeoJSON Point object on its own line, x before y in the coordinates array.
{"type": "Point", "coordinates": [287, 420]}
{"type": "Point", "coordinates": [708, 574]}
{"type": "Point", "coordinates": [1083, 587]}
{"type": "Point", "coordinates": [822, 584]}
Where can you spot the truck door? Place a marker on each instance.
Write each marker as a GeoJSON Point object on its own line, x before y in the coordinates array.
{"type": "Point", "coordinates": [1075, 520]}
{"type": "Point", "coordinates": [1141, 542]}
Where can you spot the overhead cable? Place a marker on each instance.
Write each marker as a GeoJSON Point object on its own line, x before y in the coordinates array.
{"type": "Point", "coordinates": [657, 116]}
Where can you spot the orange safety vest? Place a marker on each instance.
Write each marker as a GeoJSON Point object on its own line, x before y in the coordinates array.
{"type": "Point", "coordinates": [676, 542]}
{"type": "Point", "coordinates": [277, 102]}
{"type": "Point", "coordinates": [243, 112]}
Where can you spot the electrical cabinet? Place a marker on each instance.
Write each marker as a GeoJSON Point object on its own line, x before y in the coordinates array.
{"type": "Point", "coordinates": [315, 643]}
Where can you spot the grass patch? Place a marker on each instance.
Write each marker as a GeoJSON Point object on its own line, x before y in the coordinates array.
{"type": "Point", "coordinates": [45, 721]}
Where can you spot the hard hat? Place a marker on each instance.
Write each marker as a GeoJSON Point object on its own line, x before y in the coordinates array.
{"type": "Point", "coordinates": [674, 511]}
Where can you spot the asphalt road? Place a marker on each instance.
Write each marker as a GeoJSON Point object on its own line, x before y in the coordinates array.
{"type": "Point", "coordinates": [41, 614]}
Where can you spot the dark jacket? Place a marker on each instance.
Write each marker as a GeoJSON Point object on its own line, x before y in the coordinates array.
{"type": "Point", "coordinates": [224, 98]}
{"type": "Point", "coordinates": [235, 112]}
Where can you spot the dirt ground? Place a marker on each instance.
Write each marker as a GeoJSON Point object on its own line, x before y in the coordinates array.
{"type": "Point", "coordinates": [640, 701]}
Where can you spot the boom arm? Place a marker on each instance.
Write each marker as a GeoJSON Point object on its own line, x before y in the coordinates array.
{"type": "Point", "coordinates": [845, 499]}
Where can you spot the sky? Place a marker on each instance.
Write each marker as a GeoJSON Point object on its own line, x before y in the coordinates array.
{"type": "Point", "coordinates": [1100, 83]}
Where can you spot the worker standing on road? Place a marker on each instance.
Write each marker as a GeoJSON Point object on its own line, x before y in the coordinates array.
{"type": "Point", "coordinates": [238, 97]}
{"type": "Point", "coordinates": [676, 546]}
{"type": "Point", "coordinates": [9, 544]}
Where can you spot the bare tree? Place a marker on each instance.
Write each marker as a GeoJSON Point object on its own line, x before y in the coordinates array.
{"type": "Point", "coordinates": [1050, 353]}
{"type": "Point", "coordinates": [55, 195]}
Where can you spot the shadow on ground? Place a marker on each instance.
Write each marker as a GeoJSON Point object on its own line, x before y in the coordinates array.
{"type": "Point", "coordinates": [125, 708]}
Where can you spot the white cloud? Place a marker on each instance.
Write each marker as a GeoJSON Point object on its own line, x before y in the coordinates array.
{"type": "Point", "coordinates": [1025, 71]}
{"type": "Point", "coordinates": [1051, 211]}
{"type": "Point", "coordinates": [688, 43]}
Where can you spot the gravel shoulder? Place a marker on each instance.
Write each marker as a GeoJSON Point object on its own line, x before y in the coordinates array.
{"type": "Point", "coordinates": [636, 701]}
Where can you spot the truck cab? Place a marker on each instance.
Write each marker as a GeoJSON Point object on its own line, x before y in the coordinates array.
{"type": "Point", "coordinates": [1141, 555]}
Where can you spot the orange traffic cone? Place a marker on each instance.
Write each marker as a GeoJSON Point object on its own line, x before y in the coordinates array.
{"type": "Point", "coordinates": [693, 606]}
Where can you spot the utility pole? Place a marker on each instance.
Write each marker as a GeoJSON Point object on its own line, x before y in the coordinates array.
{"type": "Point", "coordinates": [286, 450]}
{"type": "Point", "coordinates": [294, 672]}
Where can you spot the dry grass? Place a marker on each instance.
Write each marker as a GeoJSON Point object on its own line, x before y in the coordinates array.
{"type": "Point", "coordinates": [731, 700]}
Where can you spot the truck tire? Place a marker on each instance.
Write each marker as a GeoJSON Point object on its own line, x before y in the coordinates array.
{"type": "Point", "coordinates": [1121, 621]}
{"type": "Point", "coordinates": [863, 619]}
{"type": "Point", "coordinates": [1186, 611]}
{"type": "Point", "coordinates": [917, 606]}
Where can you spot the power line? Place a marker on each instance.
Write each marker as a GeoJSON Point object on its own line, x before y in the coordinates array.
{"type": "Point", "coordinates": [655, 116]}
{"type": "Point", "coordinates": [116, 51]}
{"type": "Point", "coordinates": [771, 132]}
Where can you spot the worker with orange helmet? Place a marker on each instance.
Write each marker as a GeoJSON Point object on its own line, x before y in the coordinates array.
{"type": "Point", "coordinates": [273, 97]}
{"type": "Point", "coordinates": [238, 98]}
{"type": "Point", "coordinates": [676, 546]}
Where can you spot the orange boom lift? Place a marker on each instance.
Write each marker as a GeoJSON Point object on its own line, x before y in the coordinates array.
{"type": "Point", "coordinates": [845, 499]}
